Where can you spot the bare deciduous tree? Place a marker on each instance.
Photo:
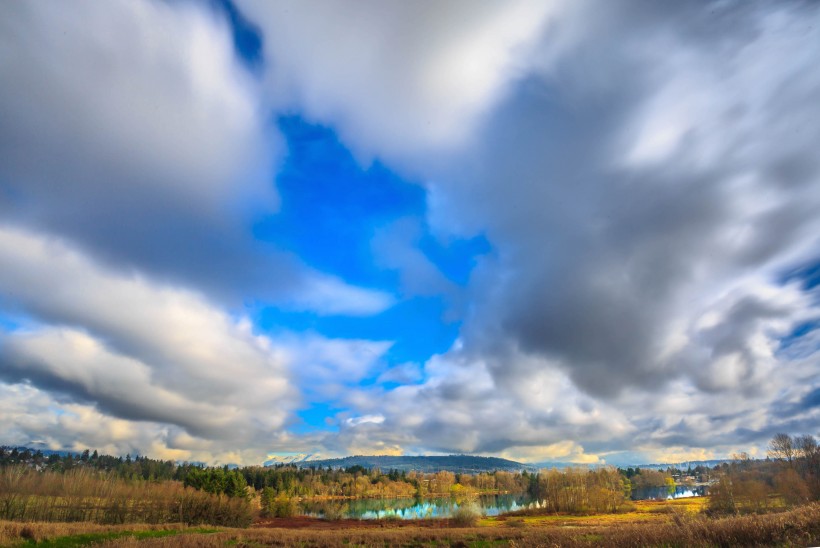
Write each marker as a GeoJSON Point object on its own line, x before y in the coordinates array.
{"type": "Point", "coordinates": [782, 447]}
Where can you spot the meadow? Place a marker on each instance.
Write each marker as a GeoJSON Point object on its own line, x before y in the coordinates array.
{"type": "Point", "coordinates": [646, 523]}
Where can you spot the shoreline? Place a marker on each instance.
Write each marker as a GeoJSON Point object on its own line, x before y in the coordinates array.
{"type": "Point", "coordinates": [382, 497]}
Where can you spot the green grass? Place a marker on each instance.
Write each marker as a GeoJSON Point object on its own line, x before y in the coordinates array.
{"type": "Point", "coordinates": [246, 544]}
{"type": "Point", "coordinates": [88, 539]}
{"type": "Point", "coordinates": [487, 543]}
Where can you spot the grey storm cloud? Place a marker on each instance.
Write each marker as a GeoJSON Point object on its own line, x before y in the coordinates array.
{"type": "Point", "coordinates": [647, 175]}
{"type": "Point", "coordinates": [134, 129]}
{"type": "Point", "coordinates": [605, 254]}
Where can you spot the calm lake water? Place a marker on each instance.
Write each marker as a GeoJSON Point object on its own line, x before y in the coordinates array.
{"type": "Point", "coordinates": [660, 493]}
{"type": "Point", "coordinates": [489, 505]}
{"type": "Point", "coordinates": [410, 508]}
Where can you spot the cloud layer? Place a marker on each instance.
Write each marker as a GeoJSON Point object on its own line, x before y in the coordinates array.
{"type": "Point", "coordinates": [136, 130]}
{"type": "Point", "coordinates": [645, 175]}
{"type": "Point", "coordinates": [644, 225]}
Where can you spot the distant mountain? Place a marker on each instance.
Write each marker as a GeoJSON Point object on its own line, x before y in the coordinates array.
{"type": "Point", "coordinates": [679, 465]}
{"type": "Point", "coordinates": [288, 459]}
{"type": "Point", "coordinates": [463, 464]}
{"type": "Point", "coordinates": [653, 466]}
{"type": "Point", "coordinates": [560, 465]}
{"type": "Point", "coordinates": [45, 452]}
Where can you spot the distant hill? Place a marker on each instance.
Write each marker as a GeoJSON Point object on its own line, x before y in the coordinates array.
{"type": "Point", "coordinates": [300, 458]}
{"type": "Point", "coordinates": [45, 452]}
{"type": "Point", "coordinates": [561, 465]}
{"type": "Point", "coordinates": [462, 464]}
{"type": "Point", "coordinates": [681, 465]}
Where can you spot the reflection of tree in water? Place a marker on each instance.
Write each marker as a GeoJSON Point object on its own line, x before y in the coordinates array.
{"type": "Point", "coordinates": [413, 508]}
{"type": "Point", "coordinates": [326, 509]}
{"type": "Point", "coordinates": [663, 493]}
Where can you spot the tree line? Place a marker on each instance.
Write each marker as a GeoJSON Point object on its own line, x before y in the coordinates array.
{"type": "Point", "coordinates": [285, 480]}
{"type": "Point", "coordinates": [580, 490]}
{"type": "Point", "coordinates": [790, 476]}
{"type": "Point", "coordinates": [83, 494]}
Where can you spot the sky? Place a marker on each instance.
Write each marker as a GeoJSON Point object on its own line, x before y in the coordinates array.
{"type": "Point", "coordinates": [561, 230]}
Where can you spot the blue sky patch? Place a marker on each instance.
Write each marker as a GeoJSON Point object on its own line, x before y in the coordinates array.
{"type": "Point", "coordinates": [247, 39]}
{"type": "Point", "coordinates": [416, 325]}
{"type": "Point", "coordinates": [331, 208]}
{"type": "Point", "coordinates": [330, 205]}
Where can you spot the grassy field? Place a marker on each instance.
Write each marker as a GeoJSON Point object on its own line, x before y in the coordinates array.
{"type": "Point", "coordinates": [672, 523]}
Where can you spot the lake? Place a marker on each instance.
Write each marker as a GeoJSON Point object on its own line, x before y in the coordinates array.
{"type": "Point", "coordinates": [665, 493]}
{"type": "Point", "coordinates": [413, 508]}
{"type": "Point", "coordinates": [489, 505]}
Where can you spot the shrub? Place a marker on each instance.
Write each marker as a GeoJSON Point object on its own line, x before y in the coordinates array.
{"type": "Point", "coordinates": [283, 507]}
{"type": "Point", "coordinates": [465, 515]}
{"type": "Point", "coordinates": [391, 518]}
{"type": "Point", "coordinates": [334, 511]}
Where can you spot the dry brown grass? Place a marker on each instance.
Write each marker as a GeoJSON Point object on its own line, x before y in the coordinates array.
{"type": "Point", "coordinates": [12, 532]}
{"type": "Point", "coordinates": [798, 527]}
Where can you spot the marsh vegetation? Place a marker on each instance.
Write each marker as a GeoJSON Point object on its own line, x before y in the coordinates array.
{"type": "Point", "coordinates": [122, 501]}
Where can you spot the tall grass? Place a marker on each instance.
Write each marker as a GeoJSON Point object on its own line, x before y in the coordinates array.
{"type": "Point", "coordinates": [85, 495]}
{"type": "Point", "coordinates": [798, 527]}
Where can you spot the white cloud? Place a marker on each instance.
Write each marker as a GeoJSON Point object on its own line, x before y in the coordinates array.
{"type": "Point", "coordinates": [396, 77]}
{"type": "Point", "coordinates": [329, 367]}
{"type": "Point", "coordinates": [636, 298]}
{"type": "Point", "coordinates": [607, 257]}
{"type": "Point", "coordinates": [365, 419]}
{"type": "Point", "coordinates": [141, 353]}
{"type": "Point", "coordinates": [133, 129]}
{"type": "Point", "coordinates": [35, 417]}
{"type": "Point", "coordinates": [395, 247]}
{"type": "Point", "coordinates": [329, 295]}
{"type": "Point", "coordinates": [405, 373]}
{"type": "Point", "coordinates": [186, 361]}
{"type": "Point", "coordinates": [566, 451]}
{"type": "Point", "coordinates": [128, 101]}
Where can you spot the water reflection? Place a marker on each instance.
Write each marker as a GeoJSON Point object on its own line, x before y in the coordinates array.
{"type": "Point", "coordinates": [409, 508]}
{"type": "Point", "coordinates": [489, 505]}
{"type": "Point", "coordinates": [668, 493]}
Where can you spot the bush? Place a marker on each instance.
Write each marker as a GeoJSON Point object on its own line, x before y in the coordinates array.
{"type": "Point", "coordinates": [465, 515]}
{"type": "Point", "coordinates": [277, 506]}
{"type": "Point", "coordinates": [391, 518]}
{"type": "Point", "coordinates": [334, 511]}
{"type": "Point", "coordinates": [284, 507]}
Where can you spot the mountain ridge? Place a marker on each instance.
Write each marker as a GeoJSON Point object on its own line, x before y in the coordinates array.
{"type": "Point", "coordinates": [420, 463]}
